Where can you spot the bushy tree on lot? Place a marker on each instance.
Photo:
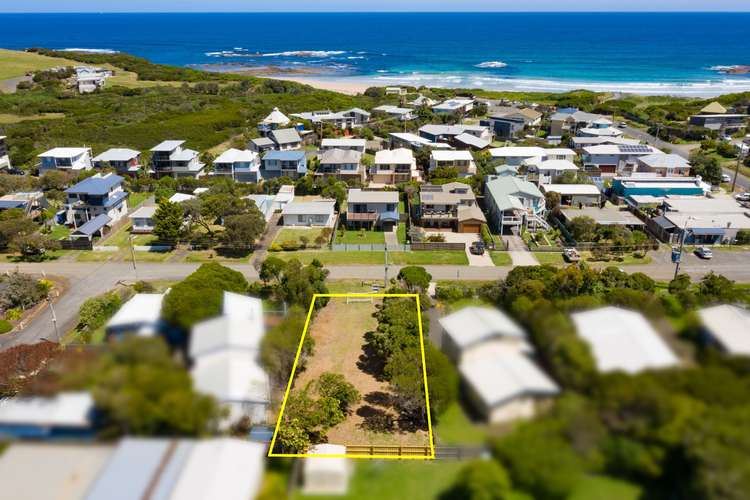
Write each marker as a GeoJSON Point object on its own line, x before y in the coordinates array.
{"type": "Point", "coordinates": [583, 228]}
{"type": "Point", "coordinates": [272, 269]}
{"type": "Point", "coordinates": [168, 221]}
{"type": "Point", "coordinates": [242, 230]}
{"type": "Point", "coordinates": [96, 311]}
{"type": "Point", "coordinates": [415, 278]}
{"type": "Point", "coordinates": [481, 480]}
{"type": "Point", "coordinates": [334, 385]}
{"type": "Point", "coordinates": [300, 283]}
{"type": "Point", "coordinates": [200, 295]}
{"type": "Point", "coordinates": [139, 390]}
{"type": "Point", "coordinates": [279, 346]}
{"type": "Point", "coordinates": [705, 166]}
{"type": "Point", "coordinates": [21, 291]}
{"type": "Point", "coordinates": [33, 245]}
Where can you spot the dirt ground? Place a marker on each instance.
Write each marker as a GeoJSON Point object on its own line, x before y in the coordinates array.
{"type": "Point", "coordinates": [339, 331]}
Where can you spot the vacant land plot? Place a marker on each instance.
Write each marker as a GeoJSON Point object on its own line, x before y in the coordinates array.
{"type": "Point", "coordinates": [14, 63]}
{"type": "Point", "coordinates": [295, 235]}
{"type": "Point", "coordinates": [362, 237]}
{"type": "Point", "coordinates": [9, 119]}
{"type": "Point", "coordinates": [339, 331]}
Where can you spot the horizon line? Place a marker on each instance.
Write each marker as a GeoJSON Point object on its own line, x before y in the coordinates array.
{"type": "Point", "coordinates": [393, 12]}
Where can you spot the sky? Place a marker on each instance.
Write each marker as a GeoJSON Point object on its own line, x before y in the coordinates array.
{"type": "Point", "coordinates": [363, 6]}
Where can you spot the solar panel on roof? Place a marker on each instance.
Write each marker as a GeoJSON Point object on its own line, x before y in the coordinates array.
{"type": "Point", "coordinates": [635, 149]}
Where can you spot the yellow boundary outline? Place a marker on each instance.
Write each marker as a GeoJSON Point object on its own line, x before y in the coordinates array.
{"type": "Point", "coordinates": [431, 456]}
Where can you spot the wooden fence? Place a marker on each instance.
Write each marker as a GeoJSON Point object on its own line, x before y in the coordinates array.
{"type": "Point", "coordinates": [389, 451]}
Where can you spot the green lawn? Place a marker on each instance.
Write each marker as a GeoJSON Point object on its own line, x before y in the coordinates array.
{"type": "Point", "coordinates": [401, 233]}
{"type": "Point", "coordinates": [627, 260]}
{"type": "Point", "coordinates": [14, 63]}
{"type": "Point", "coordinates": [363, 237]}
{"type": "Point", "coordinates": [351, 286]}
{"type": "Point", "coordinates": [136, 199]}
{"type": "Point", "coordinates": [59, 232]}
{"type": "Point", "coordinates": [553, 258]}
{"type": "Point", "coordinates": [377, 258]}
{"type": "Point", "coordinates": [9, 119]}
{"type": "Point", "coordinates": [122, 238]}
{"type": "Point", "coordinates": [288, 234]}
{"type": "Point", "coordinates": [501, 258]}
{"type": "Point", "coordinates": [415, 480]}
{"type": "Point", "coordinates": [212, 256]}
{"type": "Point", "coordinates": [605, 488]}
{"type": "Point", "coordinates": [455, 428]}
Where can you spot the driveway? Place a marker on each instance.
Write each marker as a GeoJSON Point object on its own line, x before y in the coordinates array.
{"type": "Point", "coordinates": [483, 260]}
{"type": "Point", "coordinates": [391, 238]}
{"type": "Point", "coordinates": [519, 252]}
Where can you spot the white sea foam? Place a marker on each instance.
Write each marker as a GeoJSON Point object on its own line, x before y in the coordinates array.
{"type": "Point", "coordinates": [305, 53]}
{"type": "Point", "coordinates": [707, 88]}
{"type": "Point", "coordinates": [492, 64]}
{"type": "Point", "coordinates": [355, 57]}
{"type": "Point", "coordinates": [92, 51]}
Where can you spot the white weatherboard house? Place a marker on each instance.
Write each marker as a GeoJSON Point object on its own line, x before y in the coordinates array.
{"type": "Point", "coordinates": [242, 166]}
{"type": "Point", "coordinates": [74, 160]}
{"type": "Point", "coordinates": [462, 161]}
{"type": "Point", "coordinates": [140, 316]}
{"type": "Point", "coordinates": [403, 114]}
{"type": "Point", "coordinates": [226, 359]}
{"type": "Point", "coordinates": [467, 332]}
{"type": "Point", "coordinates": [123, 160]}
{"type": "Point", "coordinates": [495, 363]}
{"type": "Point", "coordinates": [394, 166]}
{"type": "Point", "coordinates": [575, 194]}
{"type": "Point", "coordinates": [169, 158]}
{"type": "Point", "coordinates": [622, 340]}
{"type": "Point", "coordinates": [454, 106]}
{"type": "Point", "coordinates": [309, 213]}
{"type": "Point", "coordinates": [506, 385]}
{"type": "Point", "coordinates": [4, 158]}
{"type": "Point", "coordinates": [728, 328]}
{"type": "Point", "coordinates": [143, 220]}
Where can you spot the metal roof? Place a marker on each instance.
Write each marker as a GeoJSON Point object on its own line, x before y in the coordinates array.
{"type": "Point", "coordinates": [473, 325]}
{"type": "Point", "coordinates": [236, 155]}
{"type": "Point", "coordinates": [285, 136]}
{"type": "Point", "coordinates": [117, 154]}
{"type": "Point", "coordinates": [309, 208]}
{"type": "Point", "coordinates": [67, 409]}
{"type": "Point", "coordinates": [340, 156]}
{"type": "Point", "coordinates": [360, 196]}
{"type": "Point", "coordinates": [729, 325]}
{"type": "Point", "coordinates": [294, 155]}
{"type": "Point", "coordinates": [64, 152]}
{"type": "Point", "coordinates": [572, 189]}
{"type": "Point", "coordinates": [97, 185]}
{"type": "Point", "coordinates": [226, 332]}
{"type": "Point", "coordinates": [167, 146]}
{"type": "Point", "coordinates": [622, 340]}
{"type": "Point", "coordinates": [143, 213]}
{"type": "Point", "coordinates": [142, 308]}
{"type": "Point", "coordinates": [503, 375]}
{"type": "Point", "coordinates": [93, 225]}
{"type": "Point", "coordinates": [231, 375]}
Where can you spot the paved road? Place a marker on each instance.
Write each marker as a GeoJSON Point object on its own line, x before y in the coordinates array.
{"type": "Point", "coordinates": [682, 150]}
{"type": "Point", "coordinates": [85, 280]}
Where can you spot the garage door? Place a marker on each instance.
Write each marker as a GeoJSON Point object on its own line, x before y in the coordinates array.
{"type": "Point", "coordinates": [470, 228]}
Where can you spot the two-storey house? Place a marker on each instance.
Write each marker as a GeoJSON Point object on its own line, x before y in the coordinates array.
{"type": "Point", "coordinates": [292, 164]}
{"type": "Point", "coordinates": [170, 159]}
{"type": "Point", "coordinates": [343, 164]}
{"type": "Point", "coordinates": [74, 160]}
{"type": "Point", "coordinates": [450, 206]}
{"type": "Point", "coordinates": [372, 209]}
{"type": "Point", "coordinates": [99, 195]}
{"type": "Point", "coordinates": [124, 161]}
{"type": "Point", "coordinates": [242, 166]}
{"type": "Point", "coordinates": [394, 166]}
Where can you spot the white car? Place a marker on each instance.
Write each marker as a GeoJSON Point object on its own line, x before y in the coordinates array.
{"type": "Point", "coordinates": [725, 178]}
{"type": "Point", "coordinates": [742, 196]}
{"type": "Point", "coordinates": [704, 253]}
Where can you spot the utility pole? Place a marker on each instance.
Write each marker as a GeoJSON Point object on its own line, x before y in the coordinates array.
{"type": "Point", "coordinates": [132, 257]}
{"type": "Point", "coordinates": [54, 318]}
{"type": "Point", "coordinates": [385, 283]}
{"type": "Point", "coordinates": [678, 260]}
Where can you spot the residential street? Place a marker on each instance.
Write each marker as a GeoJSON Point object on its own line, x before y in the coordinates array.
{"type": "Point", "coordinates": [682, 150]}
{"type": "Point", "coordinates": [87, 280]}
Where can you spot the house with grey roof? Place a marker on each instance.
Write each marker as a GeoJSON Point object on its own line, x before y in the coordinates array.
{"type": "Point", "coordinates": [344, 143]}
{"type": "Point", "coordinates": [124, 161]}
{"type": "Point", "coordinates": [663, 165]}
{"type": "Point", "coordinates": [342, 164]}
{"type": "Point", "coordinates": [460, 105]}
{"type": "Point", "coordinates": [309, 213]}
{"type": "Point", "coordinates": [609, 160]}
{"type": "Point", "coordinates": [372, 209]}
{"type": "Point", "coordinates": [283, 139]}
{"type": "Point", "coordinates": [462, 161]}
{"type": "Point", "coordinates": [170, 158]}
{"type": "Point", "coordinates": [275, 119]}
{"type": "Point", "coordinates": [350, 118]}
{"type": "Point", "coordinates": [514, 203]}
{"type": "Point", "coordinates": [717, 118]}
{"type": "Point", "coordinates": [448, 133]}
{"type": "Point", "coordinates": [99, 197]}
{"type": "Point", "coordinates": [570, 121]}
{"type": "Point", "coordinates": [31, 203]}
{"type": "Point", "coordinates": [452, 206]}
{"type": "Point", "coordinates": [403, 114]}
{"type": "Point", "coordinates": [67, 414]}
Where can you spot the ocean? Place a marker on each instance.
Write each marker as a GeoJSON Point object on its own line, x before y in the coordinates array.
{"type": "Point", "coordinates": [647, 53]}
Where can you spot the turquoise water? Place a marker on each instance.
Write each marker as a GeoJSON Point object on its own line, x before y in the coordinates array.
{"type": "Point", "coordinates": [646, 53]}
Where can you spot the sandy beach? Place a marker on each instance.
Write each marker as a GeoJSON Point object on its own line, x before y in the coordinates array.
{"type": "Point", "coordinates": [348, 86]}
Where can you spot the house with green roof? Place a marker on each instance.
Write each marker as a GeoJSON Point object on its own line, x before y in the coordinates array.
{"type": "Point", "coordinates": [513, 203]}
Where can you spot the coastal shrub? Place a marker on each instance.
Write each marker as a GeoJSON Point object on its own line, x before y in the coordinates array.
{"type": "Point", "coordinates": [743, 237]}
{"type": "Point", "coordinates": [452, 293]}
{"type": "Point", "coordinates": [415, 278]}
{"type": "Point", "coordinates": [290, 245]}
{"type": "Point", "coordinates": [96, 311]}
{"type": "Point", "coordinates": [275, 247]}
{"type": "Point", "coordinates": [5, 326]}
{"type": "Point", "coordinates": [487, 236]}
{"type": "Point", "coordinates": [20, 291]}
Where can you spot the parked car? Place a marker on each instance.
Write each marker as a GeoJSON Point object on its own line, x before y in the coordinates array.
{"type": "Point", "coordinates": [743, 196]}
{"type": "Point", "coordinates": [704, 253]}
{"type": "Point", "coordinates": [571, 255]}
{"type": "Point", "coordinates": [477, 248]}
{"type": "Point", "coordinates": [725, 178]}
{"type": "Point", "coordinates": [622, 125]}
